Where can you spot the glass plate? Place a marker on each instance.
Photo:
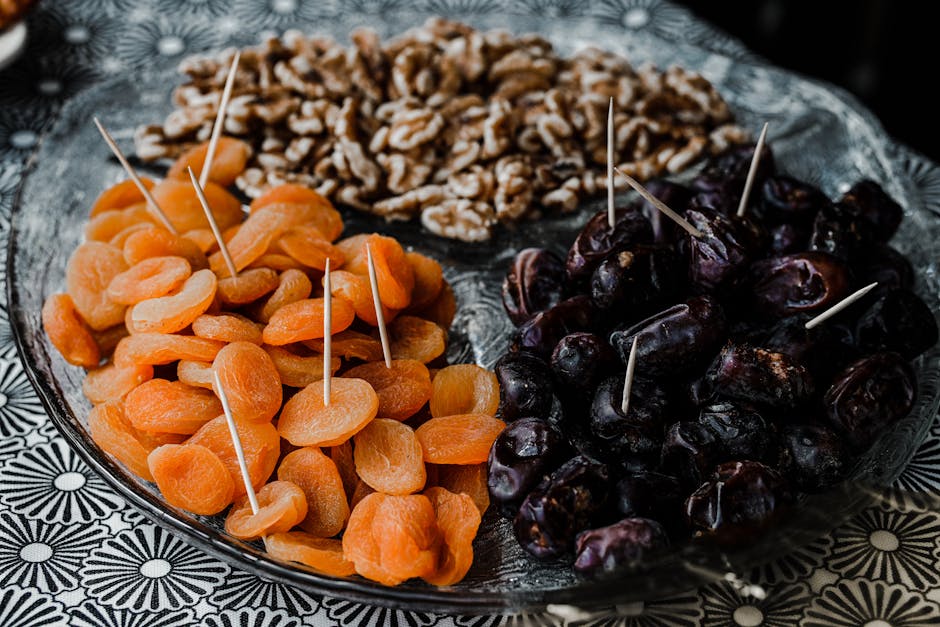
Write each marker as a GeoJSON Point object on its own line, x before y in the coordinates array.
{"type": "Point", "coordinates": [817, 133]}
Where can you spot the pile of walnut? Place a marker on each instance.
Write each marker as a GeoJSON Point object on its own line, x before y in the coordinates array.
{"type": "Point", "coordinates": [460, 127]}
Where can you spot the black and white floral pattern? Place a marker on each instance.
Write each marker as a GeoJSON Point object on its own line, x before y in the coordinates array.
{"type": "Point", "coordinates": [73, 554]}
{"type": "Point", "coordinates": [49, 482]}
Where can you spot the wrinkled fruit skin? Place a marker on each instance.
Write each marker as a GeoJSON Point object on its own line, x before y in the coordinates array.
{"type": "Point", "coordinates": [871, 394]}
{"type": "Point", "coordinates": [740, 500]}
{"type": "Point", "coordinates": [886, 266]}
{"type": "Point", "coordinates": [672, 195]}
{"type": "Point", "coordinates": [541, 333]}
{"type": "Point", "coordinates": [535, 282]}
{"type": "Point", "coordinates": [523, 455]}
{"type": "Point", "coordinates": [651, 495]}
{"type": "Point", "coordinates": [731, 168]}
{"type": "Point", "coordinates": [756, 375]}
{"type": "Point", "coordinates": [596, 241]}
{"type": "Point", "coordinates": [721, 254]}
{"type": "Point", "coordinates": [801, 282]}
{"type": "Point", "coordinates": [786, 200]}
{"type": "Point", "coordinates": [649, 406]}
{"type": "Point", "coordinates": [580, 360]}
{"type": "Point", "coordinates": [690, 451]}
{"type": "Point", "coordinates": [675, 340]}
{"type": "Point", "coordinates": [899, 321]}
{"type": "Point", "coordinates": [525, 386]}
{"type": "Point", "coordinates": [618, 547]}
{"type": "Point", "coordinates": [839, 231]}
{"type": "Point", "coordinates": [813, 457]}
{"type": "Point", "coordinates": [742, 433]}
{"type": "Point", "coordinates": [561, 507]}
{"type": "Point", "coordinates": [869, 201]}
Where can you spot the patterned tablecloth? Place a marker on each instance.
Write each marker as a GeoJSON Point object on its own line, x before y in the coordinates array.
{"type": "Point", "coordinates": [73, 553]}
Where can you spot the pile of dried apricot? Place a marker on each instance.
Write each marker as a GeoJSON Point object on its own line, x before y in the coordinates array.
{"type": "Point", "coordinates": [387, 480]}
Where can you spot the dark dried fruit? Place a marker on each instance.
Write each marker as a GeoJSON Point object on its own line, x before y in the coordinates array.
{"type": "Point", "coordinates": [561, 507]}
{"type": "Point", "coordinates": [813, 457]}
{"type": "Point", "coordinates": [650, 495]}
{"type": "Point", "coordinates": [741, 432]}
{"type": "Point", "coordinates": [721, 254]}
{"type": "Point", "coordinates": [676, 340]}
{"type": "Point", "coordinates": [802, 282]}
{"type": "Point", "coordinates": [886, 266]}
{"type": "Point", "coordinates": [755, 375]}
{"type": "Point", "coordinates": [869, 201]}
{"type": "Point", "coordinates": [674, 196]}
{"type": "Point", "coordinates": [837, 230]}
{"type": "Point", "coordinates": [870, 395]}
{"type": "Point", "coordinates": [731, 167]}
{"type": "Point", "coordinates": [622, 546]}
{"type": "Point", "coordinates": [787, 238]}
{"type": "Point", "coordinates": [690, 451]}
{"type": "Point", "coordinates": [525, 386]}
{"type": "Point", "coordinates": [740, 500]}
{"type": "Point", "coordinates": [649, 406]}
{"type": "Point", "coordinates": [541, 333]}
{"type": "Point", "coordinates": [597, 241]}
{"type": "Point", "coordinates": [786, 200]}
{"type": "Point", "coordinates": [535, 282]}
{"type": "Point", "coordinates": [899, 321]}
{"type": "Point", "coordinates": [580, 360]}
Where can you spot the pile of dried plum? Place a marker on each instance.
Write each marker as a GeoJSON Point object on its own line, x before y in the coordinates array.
{"type": "Point", "coordinates": [736, 408]}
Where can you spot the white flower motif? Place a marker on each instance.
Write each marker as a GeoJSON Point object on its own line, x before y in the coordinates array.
{"type": "Point", "coordinates": [20, 130]}
{"type": "Point", "coordinates": [45, 556]}
{"type": "Point", "coordinates": [49, 482]}
{"type": "Point", "coordinates": [855, 602]}
{"type": "Point", "coordinates": [28, 608]}
{"type": "Point", "coordinates": [242, 589]}
{"type": "Point", "coordinates": [281, 14]}
{"type": "Point", "coordinates": [148, 569]}
{"type": "Point", "coordinates": [922, 474]}
{"type": "Point", "coordinates": [20, 409]}
{"type": "Point", "coordinates": [10, 447]}
{"type": "Point", "coordinates": [352, 614]}
{"type": "Point", "coordinates": [655, 16]}
{"type": "Point", "coordinates": [509, 620]}
{"type": "Point", "coordinates": [555, 8]}
{"type": "Point", "coordinates": [457, 8]}
{"type": "Point", "coordinates": [91, 614]}
{"type": "Point", "coordinates": [677, 611]}
{"type": "Point", "coordinates": [251, 617]}
{"type": "Point", "coordinates": [782, 607]}
{"type": "Point", "coordinates": [159, 41]}
{"type": "Point", "coordinates": [794, 566]}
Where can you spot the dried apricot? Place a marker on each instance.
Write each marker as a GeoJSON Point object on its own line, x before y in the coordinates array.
{"type": "Point", "coordinates": [204, 239]}
{"type": "Point", "coordinates": [174, 312]}
{"type": "Point", "coordinates": [276, 261]}
{"type": "Point", "coordinates": [119, 196]}
{"type": "Point", "coordinates": [321, 554]}
{"type": "Point", "coordinates": [248, 286]}
{"type": "Point", "coordinates": [429, 279]}
{"type": "Point", "coordinates": [389, 457]}
{"type": "Point", "coordinates": [351, 345]}
{"type": "Point", "coordinates": [112, 383]}
{"type": "Point", "coordinates": [250, 241]}
{"type": "Point", "coordinates": [293, 285]}
{"type": "Point", "coordinates": [461, 439]}
{"type": "Point", "coordinates": [457, 519]}
{"type": "Point", "coordinates": [355, 289]}
{"type": "Point", "coordinates": [360, 545]}
{"type": "Point", "coordinates": [90, 270]}
{"type": "Point", "coordinates": [108, 339]}
{"type": "Point", "coordinates": [150, 278]}
{"type": "Point", "coordinates": [121, 237]}
{"type": "Point", "coordinates": [415, 338]}
{"type": "Point", "coordinates": [191, 477]}
{"type": "Point", "coordinates": [227, 327]}
{"type": "Point", "coordinates": [318, 477]}
{"type": "Point", "coordinates": [114, 434]}
{"type": "Point", "coordinates": [362, 490]}
{"type": "Point", "coordinates": [303, 320]}
{"type": "Point", "coordinates": [250, 380]}
{"type": "Point", "coordinates": [393, 273]}
{"type": "Point", "coordinates": [315, 208]}
{"type": "Point", "coordinates": [170, 407]}
{"type": "Point", "coordinates": [229, 161]}
{"type": "Point", "coordinates": [306, 421]}
{"type": "Point", "coordinates": [410, 539]}
{"type": "Point", "coordinates": [107, 225]}
{"type": "Point", "coordinates": [342, 456]}
{"type": "Point", "coordinates": [281, 505]}
{"type": "Point", "coordinates": [158, 242]}
{"type": "Point", "coordinates": [469, 479]}
{"type": "Point", "coordinates": [442, 311]}
{"type": "Point", "coordinates": [68, 332]}
{"type": "Point", "coordinates": [260, 441]}
{"type": "Point", "coordinates": [464, 389]}
{"type": "Point", "coordinates": [179, 202]}
{"type": "Point", "coordinates": [163, 348]}
{"type": "Point", "coordinates": [307, 245]}
{"type": "Point", "coordinates": [403, 387]}
{"type": "Point", "coordinates": [299, 371]}
{"type": "Point", "coordinates": [195, 373]}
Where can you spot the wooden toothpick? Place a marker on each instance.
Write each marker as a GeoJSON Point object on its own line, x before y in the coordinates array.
{"type": "Point", "coordinates": [628, 379]}
{"type": "Point", "coordinates": [842, 304]}
{"type": "Point", "coordinates": [327, 333]}
{"type": "Point", "coordinates": [219, 122]}
{"type": "Point", "coordinates": [752, 172]}
{"type": "Point", "coordinates": [236, 443]}
{"type": "Point", "coordinates": [660, 205]}
{"type": "Point", "coordinates": [151, 203]}
{"type": "Point", "coordinates": [212, 224]}
{"type": "Point", "coordinates": [611, 216]}
{"type": "Point", "coordinates": [379, 316]}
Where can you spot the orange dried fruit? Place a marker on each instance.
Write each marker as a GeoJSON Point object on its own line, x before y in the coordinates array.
{"type": "Point", "coordinates": [195, 373]}
{"type": "Point", "coordinates": [351, 344]}
{"type": "Point", "coordinates": [315, 208]}
{"type": "Point", "coordinates": [458, 520]}
{"type": "Point", "coordinates": [229, 161]}
{"type": "Point", "coordinates": [303, 320]}
{"type": "Point", "coordinates": [299, 371]}
{"type": "Point", "coordinates": [281, 505]}
{"type": "Point", "coordinates": [114, 434]}
{"type": "Point", "coordinates": [461, 439]}
{"type": "Point", "coordinates": [393, 273]}
{"type": "Point", "coordinates": [410, 337]}
{"type": "Point", "coordinates": [409, 536]}
{"type": "Point", "coordinates": [306, 421]}
{"type": "Point", "coordinates": [389, 457]}
{"type": "Point", "coordinates": [324, 555]}
{"type": "Point", "coordinates": [68, 332]}
{"type": "Point", "coordinates": [191, 477]}
{"type": "Point", "coordinates": [250, 241]}
{"type": "Point", "coordinates": [307, 245]}
{"type": "Point", "coordinates": [360, 546]}
{"type": "Point", "coordinates": [170, 407]}
{"type": "Point", "coordinates": [204, 239]}
{"type": "Point", "coordinates": [429, 280]}
{"type": "Point", "coordinates": [227, 327]}
{"type": "Point", "coordinates": [158, 242]}
{"type": "Point", "coordinates": [250, 380]}
{"type": "Point", "coordinates": [109, 224]}
{"type": "Point", "coordinates": [121, 237]}
{"type": "Point", "coordinates": [248, 286]}
{"type": "Point", "coordinates": [319, 479]}
{"type": "Point", "coordinates": [403, 388]}
{"type": "Point", "coordinates": [469, 479]}
{"type": "Point", "coordinates": [120, 196]}
{"type": "Point", "coordinates": [442, 311]}
{"type": "Point", "coordinates": [293, 285]}
{"type": "Point", "coordinates": [112, 383]}
{"type": "Point", "coordinates": [342, 456]}
{"type": "Point", "coordinates": [356, 290]}
{"type": "Point", "coordinates": [149, 278]}
{"type": "Point", "coordinates": [90, 270]}
{"type": "Point", "coordinates": [176, 311]}
{"type": "Point", "coordinates": [261, 444]}
{"type": "Point", "coordinates": [277, 262]}
{"type": "Point", "coordinates": [464, 389]}
{"type": "Point", "coordinates": [163, 348]}
{"type": "Point", "coordinates": [108, 339]}
{"type": "Point", "coordinates": [179, 202]}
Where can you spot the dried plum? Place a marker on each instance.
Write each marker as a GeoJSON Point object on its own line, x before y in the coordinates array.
{"type": "Point", "coordinates": [839, 231]}
{"type": "Point", "coordinates": [597, 241]}
{"type": "Point", "coordinates": [756, 375]}
{"type": "Point", "coordinates": [690, 451]}
{"type": "Point", "coordinates": [812, 456]}
{"type": "Point", "coordinates": [541, 333]}
{"type": "Point", "coordinates": [886, 266]}
{"type": "Point", "coordinates": [650, 495]}
{"type": "Point", "coordinates": [898, 321]}
{"type": "Point", "coordinates": [580, 360]}
{"type": "Point", "coordinates": [868, 200]}
{"type": "Point", "coordinates": [525, 385]}
{"type": "Point", "coordinates": [741, 432]}
{"type": "Point", "coordinates": [618, 547]}
{"type": "Point", "coordinates": [786, 239]}
{"type": "Point", "coordinates": [721, 254]}
{"type": "Point", "coordinates": [731, 167]}
{"type": "Point", "coordinates": [810, 281]}
{"type": "Point", "coordinates": [786, 200]}
{"type": "Point", "coordinates": [535, 282]}
{"type": "Point", "coordinates": [649, 406]}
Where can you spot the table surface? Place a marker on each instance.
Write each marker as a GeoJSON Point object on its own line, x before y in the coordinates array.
{"type": "Point", "coordinates": [73, 553]}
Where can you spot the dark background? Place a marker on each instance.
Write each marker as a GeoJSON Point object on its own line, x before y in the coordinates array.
{"type": "Point", "coordinates": [885, 52]}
